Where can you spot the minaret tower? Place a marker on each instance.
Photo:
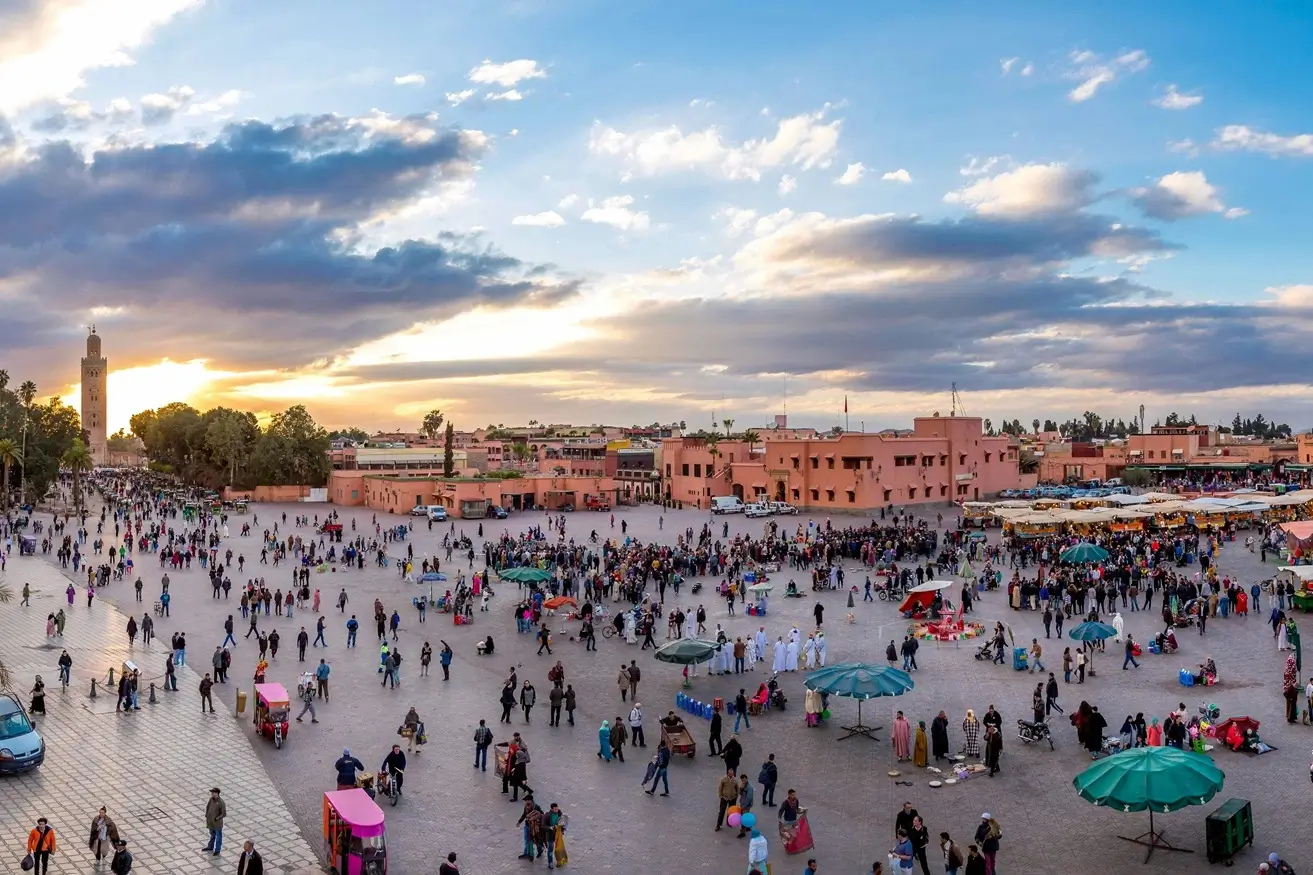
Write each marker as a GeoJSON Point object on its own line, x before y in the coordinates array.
{"type": "Point", "coordinates": [95, 372]}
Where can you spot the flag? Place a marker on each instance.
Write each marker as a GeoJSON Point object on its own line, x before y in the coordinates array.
{"type": "Point", "coordinates": [845, 404]}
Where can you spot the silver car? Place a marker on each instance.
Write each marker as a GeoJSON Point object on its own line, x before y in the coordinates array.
{"type": "Point", "coordinates": [21, 746]}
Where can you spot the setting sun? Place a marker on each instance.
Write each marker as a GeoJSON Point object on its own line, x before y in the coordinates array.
{"type": "Point", "coordinates": [133, 390]}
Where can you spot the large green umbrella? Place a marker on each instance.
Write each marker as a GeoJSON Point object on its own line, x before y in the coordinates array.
{"type": "Point", "coordinates": [1162, 779]}
{"type": "Point", "coordinates": [525, 575]}
{"type": "Point", "coordinates": [686, 651]}
{"type": "Point", "coordinates": [1092, 631]}
{"type": "Point", "coordinates": [860, 681]}
{"type": "Point", "coordinates": [1083, 552]}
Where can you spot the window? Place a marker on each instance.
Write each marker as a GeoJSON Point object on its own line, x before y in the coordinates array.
{"type": "Point", "coordinates": [795, 463]}
{"type": "Point", "coordinates": [943, 491]}
{"type": "Point", "coordinates": [962, 490]}
{"type": "Point", "coordinates": [797, 494]}
{"type": "Point", "coordinates": [829, 463]}
{"type": "Point", "coordinates": [685, 466]}
{"type": "Point", "coordinates": [697, 470]}
{"type": "Point", "coordinates": [816, 463]}
{"type": "Point", "coordinates": [911, 492]}
{"type": "Point", "coordinates": [888, 493]}
{"type": "Point", "coordinates": [355, 493]}
{"type": "Point", "coordinates": [987, 455]}
{"type": "Point", "coordinates": [816, 495]}
{"type": "Point", "coordinates": [829, 495]}
{"type": "Point", "coordinates": [927, 461]}
{"type": "Point", "coordinates": [667, 469]}
{"type": "Point", "coordinates": [852, 497]}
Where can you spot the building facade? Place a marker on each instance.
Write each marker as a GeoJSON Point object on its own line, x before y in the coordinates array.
{"type": "Point", "coordinates": [95, 399]}
{"type": "Point", "coordinates": [943, 459]}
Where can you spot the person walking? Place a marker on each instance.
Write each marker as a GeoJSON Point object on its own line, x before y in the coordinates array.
{"type": "Point", "coordinates": [121, 864]}
{"type": "Point", "coordinates": [1130, 658]}
{"type": "Point", "coordinates": [555, 697]}
{"type": "Point", "coordinates": [307, 693]}
{"type": "Point", "coordinates": [444, 658]}
{"type": "Point", "coordinates": [622, 681]}
{"type": "Point", "coordinates": [41, 843]}
{"type": "Point", "coordinates": [1035, 652]}
{"type": "Point", "coordinates": [507, 701]}
{"type": "Point", "coordinates": [741, 710]}
{"type": "Point", "coordinates": [619, 736]}
{"type": "Point", "coordinates": [321, 680]}
{"type": "Point", "coordinates": [528, 698]}
{"type": "Point", "coordinates": [250, 862]}
{"type": "Point", "coordinates": [954, 859]}
{"type": "Point", "coordinates": [569, 704]}
{"type": "Point", "coordinates": [746, 796]}
{"type": "Point", "coordinates": [768, 777]}
{"type": "Point", "coordinates": [727, 793]}
{"type": "Point", "coordinates": [103, 834]}
{"type": "Point", "coordinates": [635, 675]}
{"type": "Point", "coordinates": [660, 774]}
{"type": "Point", "coordinates": [636, 725]}
{"type": "Point", "coordinates": [987, 837]}
{"type": "Point", "coordinates": [216, 810]}
{"type": "Point", "coordinates": [1051, 696]}
{"type": "Point", "coordinates": [482, 741]}
{"type": "Point", "coordinates": [206, 686]}
{"type": "Point", "coordinates": [714, 745]}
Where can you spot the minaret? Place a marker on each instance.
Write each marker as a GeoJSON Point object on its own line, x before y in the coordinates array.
{"type": "Point", "coordinates": [95, 372]}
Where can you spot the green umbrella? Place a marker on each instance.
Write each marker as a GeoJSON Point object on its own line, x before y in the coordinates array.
{"type": "Point", "coordinates": [1083, 552]}
{"type": "Point", "coordinates": [860, 681]}
{"type": "Point", "coordinates": [761, 587]}
{"type": "Point", "coordinates": [525, 575]}
{"type": "Point", "coordinates": [1092, 631]}
{"type": "Point", "coordinates": [686, 651]}
{"type": "Point", "coordinates": [1162, 779]}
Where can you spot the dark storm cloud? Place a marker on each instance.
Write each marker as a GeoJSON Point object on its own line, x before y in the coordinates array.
{"type": "Point", "coordinates": [249, 239]}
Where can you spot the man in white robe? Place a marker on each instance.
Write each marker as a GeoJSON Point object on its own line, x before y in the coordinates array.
{"type": "Point", "coordinates": [791, 659]}
{"type": "Point", "coordinates": [762, 642]}
{"type": "Point", "coordinates": [750, 652]}
{"type": "Point", "coordinates": [820, 648]}
{"type": "Point", "coordinates": [780, 663]}
{"type": "Point", "coordinates": [690, 623]}
{"type": "Point", "coordinates": [809, 654]}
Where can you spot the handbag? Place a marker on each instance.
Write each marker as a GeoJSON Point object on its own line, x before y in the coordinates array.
{"type": "Point", "coordinates": [29, 863]}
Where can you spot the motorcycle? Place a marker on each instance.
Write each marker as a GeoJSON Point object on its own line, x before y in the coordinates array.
{"type": "Point", "coordinates": [776, 695]}
{"type": "Point", "coordinates": [1030, 732]}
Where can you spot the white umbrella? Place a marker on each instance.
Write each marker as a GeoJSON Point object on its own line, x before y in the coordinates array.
{"type": "Point", "coordinates": [931, 586]}
{"type": "Point", "coordinates": [761, 587]}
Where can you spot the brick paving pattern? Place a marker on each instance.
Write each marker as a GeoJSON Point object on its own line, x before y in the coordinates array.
{"type": "Point", "coordinates": [614, 826]}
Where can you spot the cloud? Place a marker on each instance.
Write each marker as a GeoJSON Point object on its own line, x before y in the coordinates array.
{"type": "Point", "coordinates": [852, 174]}
{"type": "Point", "coordinates": [222, 103]}
{"type": "Point", "coordinates": [568, 201]}
{"type": "Point", "coordinates": [46, 46]}
{"type": "Point", "coordinates": [456, 98]}
{"type": "Point", "coordinates": [1181, 195]}
{"type": "Point", "coordinates": [549, 219]}
{"type": "Point", "coordinates": [1173, 99]}
{"type": "Point", "coordinates": [614, 211]}
{"type": "Point", "coordinates": [737, 221]}
{"type": "Point", "coordinates": [511, 94]}
{"type": "Point", "coordinates": [1093, 71]}
{"type": "Point", "coordinates": [508, 74]}
{"type": "Point", "coordinates": [274, 215]}
{"type": "Point", "coordinates": [1235, 213]}
{"type": "Point", "coordinates": [409, 79]}
{"type": "Point", "coordinates": [1029, 190]}
{"type": "Point", "coordinates": [1246, 139]}
{"type": "Point", "coordinates": [899, 175]}
{"type": "Point", "coordinates": [158, 109]}
{"type": "Point", "coordinates": [1028, 69]}
{"type": "Point", "coordinates": [982, 166]}
{"type": "Point", "coordinates": [787, 184]}
{"type": "Point", "coordinates": [802, 141]}
{"type": "Point", "coordinates": [1007, 64]}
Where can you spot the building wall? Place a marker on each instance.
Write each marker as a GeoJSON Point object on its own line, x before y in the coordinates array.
{"type": "Point", "coordinates": [268, 493]}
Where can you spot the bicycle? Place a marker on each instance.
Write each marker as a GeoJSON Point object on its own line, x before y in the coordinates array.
{"type": "Point", "coordinates": [387, 785]}
{"type": "Point", "coordinates": [608, 631]}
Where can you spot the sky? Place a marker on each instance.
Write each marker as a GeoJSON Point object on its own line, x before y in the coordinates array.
{"type": "Point", "coordinates": [625, 212]}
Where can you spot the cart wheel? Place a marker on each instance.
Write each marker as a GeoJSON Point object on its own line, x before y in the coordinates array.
{"type": "Point", "coordinates": [278, 741]}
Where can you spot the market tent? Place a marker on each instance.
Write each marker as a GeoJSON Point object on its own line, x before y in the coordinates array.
{"type": "Point", "coordinates": [686, 651]}
{"type": "Point", "coordinates": [915, 600]}
{"type": "Point", "coordinates": [1125, 499]}
{"type": "Point", "coordinates": [1300, 531]}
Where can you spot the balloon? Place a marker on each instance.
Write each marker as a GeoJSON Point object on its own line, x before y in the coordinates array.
{"type": "Point", "coordinates": [733, 819]}
{"type": "Point", "coordinates": [733, 810]}
{"type": "Point", "coordinates": [749, 820]}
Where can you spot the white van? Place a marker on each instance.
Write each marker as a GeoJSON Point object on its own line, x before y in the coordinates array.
{"type": "Point", "coordinates": [726, 504]}
{"type": "Point", "coordinates": [437, 513]}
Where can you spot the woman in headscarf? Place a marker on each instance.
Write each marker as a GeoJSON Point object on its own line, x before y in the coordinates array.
{"type": "Point", "coordinates": [971, 734]}
{"type": "Point", "coordinates": [604, 741]}
{"type": "Point", "coordinates": [1290, 686]}
{"type": "Point", "coordinates": [902, 737]}
{"type": "Point", "coordinates": [1154, 735]}
{"type": "Point", "coordinates": [939, 736]}
{"type": "Point", "coordinates": [919, 756]}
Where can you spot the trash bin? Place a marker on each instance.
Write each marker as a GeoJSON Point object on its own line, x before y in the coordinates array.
{"type": "Point", "coordinates": [1019, 660]}
{"type": "Point", "coordinates": [241, 701]}
{"type": "Point", "coordinates": [1228, 829]}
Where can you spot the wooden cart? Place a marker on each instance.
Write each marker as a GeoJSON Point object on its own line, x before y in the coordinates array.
{"type": "Point", "coordinates": [679, 740]}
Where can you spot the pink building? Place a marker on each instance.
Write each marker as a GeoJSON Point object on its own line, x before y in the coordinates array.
{"type": "Point", "coordinates": [943, 459]}
{"type": "Point", "coordinates": [465, 497]}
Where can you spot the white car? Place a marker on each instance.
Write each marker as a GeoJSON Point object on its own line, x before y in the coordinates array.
{"type": "Point", "coordinates": [419, 510]}
{"type": "Point", "coordinates": [756, 510]}
{"type": "Point", "coordinates": [781, 507]}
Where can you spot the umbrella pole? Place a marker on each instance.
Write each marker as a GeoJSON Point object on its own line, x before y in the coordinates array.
{"type": "Point", "coordinates": [1153, 840]}
{"type": "Point", "coordinates": [860, 728]}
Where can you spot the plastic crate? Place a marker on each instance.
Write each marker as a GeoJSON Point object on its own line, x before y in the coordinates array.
{"type": "Point", "coordinates": [1228, 829]}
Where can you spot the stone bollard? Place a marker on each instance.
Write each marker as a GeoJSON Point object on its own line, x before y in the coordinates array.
{"type": "Point", "coordinates": [110, 681]}
{"type": "Point", "coordinates": [152, 700]}
{"type": "Point", "coordinates": [93, 689]}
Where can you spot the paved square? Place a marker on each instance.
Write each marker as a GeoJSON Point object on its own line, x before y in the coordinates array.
{"type": "Point", "coordinates": [614, 826]}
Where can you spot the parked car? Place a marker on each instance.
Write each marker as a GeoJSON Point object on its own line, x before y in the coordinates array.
{"type": "Point", "coordinates": [419, 510]}
{"type": "Point", "coordinates": [21, 746]}
{"type": "Point", "coordinates": [566, 508]}
{"type": "Point", "coordinates": [497, 512]}
{"type": "Point", "coordinates": [438, 514]}
{"type": "Point", "coordinates": [727, 504]}
{"type": "Point", "coordinates": [756, 510]}
{"type": "Point", "coordinates": [782, 507]}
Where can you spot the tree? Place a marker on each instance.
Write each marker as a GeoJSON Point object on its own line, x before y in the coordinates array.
{"type": "Point", "coordinates": [751, 436]}
{"type": "Point", "coordinates": [230, 439]}
{"type": "Point", "coordinates": [448, 463]}
{"type": "Point", "coordinates": [120, 442]}
{"type": "Point", "coordinates": [1050, 425]}
{"type": "Point", "coordinates": [558, 471]}
{"type": "Point", "coordinates": [1137, 477]}
{"type": "Point", "coordinates": [357, 435]}
{"type": "Point", "coordinates": [728, 423]}
{"type": "Point", "coordinates": [11, 453]}
{"type": "Point", "coordinates": [989, 427]}
{"type": "Point", "coordinates": [293, 450]}
{"type": "Point", "coordinates": [1035, 423]}
{"type": "Point", "coordinates": [432, 425]}
{"type": "Point", "coordinates": [78, 460]}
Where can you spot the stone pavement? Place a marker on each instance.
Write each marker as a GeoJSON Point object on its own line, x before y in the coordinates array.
{"type": "Point", "coordinates": [151, 769]}
{"type": "Point", "coordinates": [615, 827]}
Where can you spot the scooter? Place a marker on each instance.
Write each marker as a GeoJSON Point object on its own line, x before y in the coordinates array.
{"type": "Point", "coordinates": [1030, 732]}
{"type": "Point", "coordinates": [776, 695]}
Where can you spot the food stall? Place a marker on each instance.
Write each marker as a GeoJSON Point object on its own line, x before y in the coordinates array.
{"type": "Point", "coordinates": [1301, 578]}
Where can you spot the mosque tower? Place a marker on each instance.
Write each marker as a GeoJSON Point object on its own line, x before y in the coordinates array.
{"type": "Point", "coordinates": [95, 372]}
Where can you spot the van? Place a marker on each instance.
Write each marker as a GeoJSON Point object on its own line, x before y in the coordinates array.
{"type": "Point", "coordinates": [437, 513]}
{"type": "Point", "coordinates": [21, 746]}
{"type": "Point", "coordinates": [726, 504]}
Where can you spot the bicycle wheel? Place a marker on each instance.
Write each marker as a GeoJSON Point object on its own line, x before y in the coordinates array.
{"type": "Point", "coordinates": [1266, 586]}
{"type": "Point", "coordinates": [608, 631]}
{"type": "Point", "coordinates": [393, 797]}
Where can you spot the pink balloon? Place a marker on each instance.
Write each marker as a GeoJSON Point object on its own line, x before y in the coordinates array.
{"type": "Point", "coordinates": [735, 819]}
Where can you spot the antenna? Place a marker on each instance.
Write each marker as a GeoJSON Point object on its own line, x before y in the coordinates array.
{"type": "Point", "coordinates": [786, 394]}
{"type": "Point", "coordinates": [956, 402]}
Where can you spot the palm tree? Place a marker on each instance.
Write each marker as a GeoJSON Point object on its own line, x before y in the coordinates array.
{"type": "Point", "coordinates": [27, 394]}
{"type": "Point", "coordinates": [729, 423]}
{"type": "Point", "coordinates": [78, 460]}
{"type": "Point", "coordinates": [432, 425]}
{"type": "Point", "coordinates": [10, 453]}
{"type": "Point", "coordinates": [1035, 422]}
{"type": "Point", "coordinates": [751, 436]}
